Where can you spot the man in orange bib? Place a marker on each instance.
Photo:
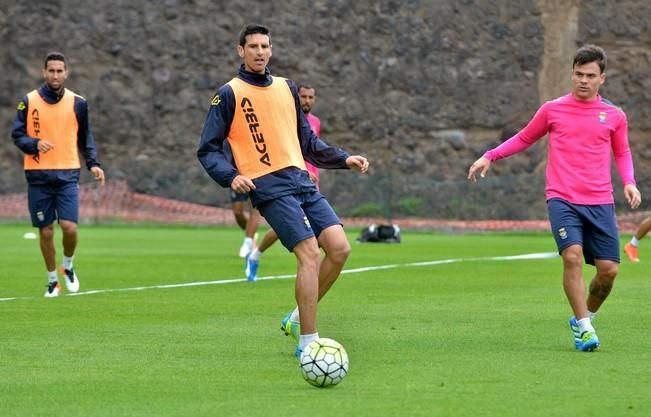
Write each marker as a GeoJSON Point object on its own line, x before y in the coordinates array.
{"type": "Point", "coordinates": [261, 117]}
{"type": "Point", "coordinates": [51, 127]}
{"type": "Point", "coordinates": [307, 97]}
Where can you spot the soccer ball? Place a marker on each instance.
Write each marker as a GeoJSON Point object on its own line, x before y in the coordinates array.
{"type": "Point", "coordinates": [324, 362]}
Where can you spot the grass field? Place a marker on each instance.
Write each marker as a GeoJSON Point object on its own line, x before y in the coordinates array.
{"type": "Point", "coordinates": [473, 337]}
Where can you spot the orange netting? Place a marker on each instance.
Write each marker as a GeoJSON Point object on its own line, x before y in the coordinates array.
{"type": "Point", "coordinates": [115, 202]}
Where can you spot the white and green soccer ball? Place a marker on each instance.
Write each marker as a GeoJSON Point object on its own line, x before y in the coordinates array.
{"type": "Point", "coordinates": [324, 362]}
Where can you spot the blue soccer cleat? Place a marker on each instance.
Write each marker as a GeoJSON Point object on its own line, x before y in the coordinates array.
{"type": "Point", "coordinates": [251, 268]}
{"type": "Point", "coordinates": [576, 331]}
{"type": "Point", "coordinates": [589, 341]}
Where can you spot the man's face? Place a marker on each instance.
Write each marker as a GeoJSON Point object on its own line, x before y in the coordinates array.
{"type": "Point", "coordinates": [255, 53]}
{"type": "Point", "coordinates": [586, 80]}
{"type": "Point", "coordinates": [307, 97]}
{"type": "Point", "coordinates": [55, 73]}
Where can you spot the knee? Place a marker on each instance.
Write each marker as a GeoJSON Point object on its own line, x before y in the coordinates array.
{"type": "Point", "coordinates": [308, 255]}
{"type": "Point", "coordinates": [339, 254]}
{"type": "Point", "coordinates": [239, 215]}
{"type": "Point", "coordinates": [572, 257]}
{"type": "Point", "coordinates": [238, 210]}
{"type": "Point", "coordinates": [47, 232]}
{"type": "Point", "coordinates": [68, 228]}
{"type": "Point", "coordinates": [609, 271]}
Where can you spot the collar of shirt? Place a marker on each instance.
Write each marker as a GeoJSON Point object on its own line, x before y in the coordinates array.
{"type": "Point", "coordinates": [261, 80]}
{"type": "Point", "coordinates": [49, 95]}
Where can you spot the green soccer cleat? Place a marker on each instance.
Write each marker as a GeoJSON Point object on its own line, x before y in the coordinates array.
{"type": "Point", "coordinates": [589, 341]}
{"type": "Point", "coordinates": [291, 327]}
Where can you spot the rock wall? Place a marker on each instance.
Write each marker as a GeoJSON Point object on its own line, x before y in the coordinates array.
{"type": "Point", "coordinates": [421, 87]}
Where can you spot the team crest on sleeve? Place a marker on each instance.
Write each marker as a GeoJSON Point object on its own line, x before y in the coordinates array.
{"type": "Point", "coordinates": [602, 117]}
{"type": "Point", "coordinates": [21, 106]}
{"type": "Point", "coordinates": [216, 100]}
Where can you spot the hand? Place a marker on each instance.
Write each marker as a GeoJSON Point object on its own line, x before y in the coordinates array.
{"type": "Point", "coordinates": [44, 146]}
{"type": "Point", "coordinates": [242, 184]}
{"type": "Point", "coordinates": [482, 165]}
{"type": "Point", "coordinates": [633, 196]}
{"type": "Point", "coordinates": [99, 174]}
{"type": "Point", "coordinates": [358, 162]}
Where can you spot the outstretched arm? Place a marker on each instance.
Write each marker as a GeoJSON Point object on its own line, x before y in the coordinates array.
{"type": "Point", "coordinates": [482, 165]}
{"type": "Point", "coordinates": [535, 129]}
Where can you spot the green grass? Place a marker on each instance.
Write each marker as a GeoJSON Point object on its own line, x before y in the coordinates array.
{"type": "Point", "coordinates": [471, 338]}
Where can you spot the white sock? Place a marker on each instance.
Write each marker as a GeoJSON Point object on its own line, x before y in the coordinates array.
{"type": "Point", "coordinates": [52, 276]}
{"type": "Point", "coordinates": [634, 241]}
{"type": "Point", "coordinates": [585, 325]}
{"type": "Point", "coordinates": [67, 262]}
{"type": "Point", "coordinates": [305, 339]}
{"type": "Point", "coordinates": [591, 315]}
{"type": "Point", "coordinates": [255, 255]}
{"type": "Point", "coordinates": [295, 316]}
{"type": "Point", "coordinates": [248, 241]}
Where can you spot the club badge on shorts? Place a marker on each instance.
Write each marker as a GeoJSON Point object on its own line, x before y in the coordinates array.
{"type": "Point", "coordinates": [562, 233]}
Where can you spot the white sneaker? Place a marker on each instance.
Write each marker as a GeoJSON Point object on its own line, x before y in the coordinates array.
{"type": "Point", "coordinates": [72, 283]}
{"type": "Point", "coordinates": [53, 289]}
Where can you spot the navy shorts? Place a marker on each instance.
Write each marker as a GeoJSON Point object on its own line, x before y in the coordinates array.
{"type": "Point", "coordinates": [593, 227]}
{"type": "Point", "coordinates": [50, 202]}
{"type": "Point", "coordinates": [235, 196]}
{"type": "Point", "coordinates": [298, 217]}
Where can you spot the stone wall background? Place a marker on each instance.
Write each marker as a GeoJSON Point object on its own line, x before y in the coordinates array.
{"type": "Point", "coordinates": [420, 87]}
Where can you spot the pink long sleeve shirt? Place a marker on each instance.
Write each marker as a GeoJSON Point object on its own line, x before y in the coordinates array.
{"type": "Point", "coordinates": [581, 137]}
{"type": "Point", "coordinates": [315, 124]}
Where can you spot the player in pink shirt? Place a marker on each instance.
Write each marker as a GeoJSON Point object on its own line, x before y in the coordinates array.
{"type": "Point", "coordinates": [307, 96]}
{"type": "Point", "coordinates": [584, 129]}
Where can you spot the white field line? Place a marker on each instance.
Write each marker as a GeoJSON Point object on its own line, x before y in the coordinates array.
{"type": "Point", "coordinates": [528, 256]}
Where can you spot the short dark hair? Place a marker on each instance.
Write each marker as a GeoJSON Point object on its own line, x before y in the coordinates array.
{"type": "Point", "coordinates": [590, 53]}
{"type": "Point", "coordinates": [306, 86]}
{"type": "Point", "coordinates": [251, 30]}
{"type": "Point", "coordinates": [54, 56]}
